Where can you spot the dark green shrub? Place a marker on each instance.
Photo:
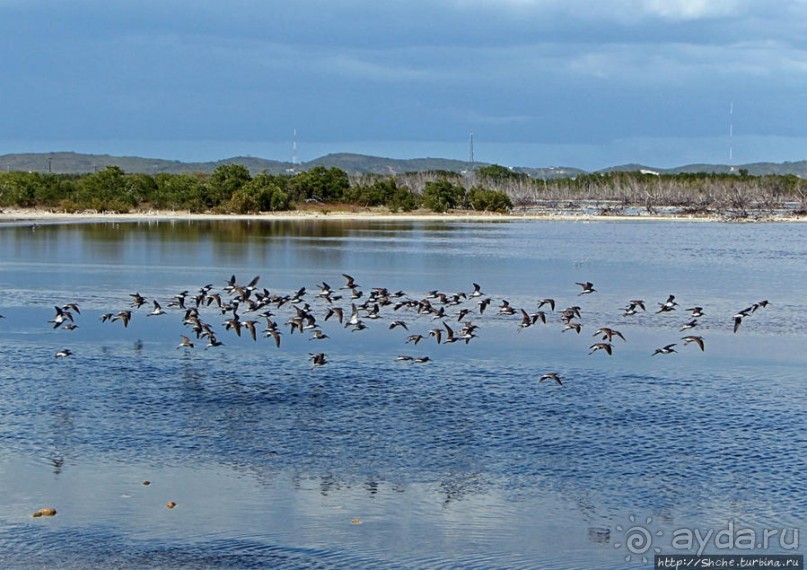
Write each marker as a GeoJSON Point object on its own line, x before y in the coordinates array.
{"type": "Point", "coordinates": [403, 200]}
{"type": "Point", "coordinates": [485, 200]}
{"type": "Point", "coordinates": [441, 195]}
{"type": "Point", "coordinates": [261, 194]}
{"type": "Point", "coordinates": [320, 184]}
{"type": "Point", "coordinates": [225, 181]}
{"type": "Point", "coordinates": [105, 190]}
{"type": "Point", "coordinates": [179, 192]}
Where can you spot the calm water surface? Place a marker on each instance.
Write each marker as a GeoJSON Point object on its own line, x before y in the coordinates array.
{"type": "Point", "coordinates": [463, 462]}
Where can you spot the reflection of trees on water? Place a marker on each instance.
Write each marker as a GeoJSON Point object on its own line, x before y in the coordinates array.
{"type": "Point", "coordinates": [281, 428]}
{"type": "Point", "coordinates": [222, 231]}
{"type": "Point", "coordinates": [457, 486]}
{"type": "Point", "coordinates": [450, 487]}
{"type": "Point", "coordinates": [599, 535]}
{"type": "Point", "coordinates": [371, 486]}
{"type": "Point", "coordinates": [252, 243]}
{"type": "Point", "coordinates": [343, 432]}
{"type": "Point", "coordinates": [62, 431]}
{"type": "Point", "coordinates": [57, 462]}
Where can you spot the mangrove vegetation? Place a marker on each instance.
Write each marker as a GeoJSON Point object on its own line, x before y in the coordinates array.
{"type": "Point", "coordinates": [231, 188]}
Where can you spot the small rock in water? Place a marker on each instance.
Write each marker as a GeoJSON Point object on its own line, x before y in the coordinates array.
{"type": "Point", "coordinates": [46, 512]}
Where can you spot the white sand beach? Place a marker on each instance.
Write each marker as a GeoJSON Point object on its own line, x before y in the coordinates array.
{"type": "Point", "coordinates": [12, 215]}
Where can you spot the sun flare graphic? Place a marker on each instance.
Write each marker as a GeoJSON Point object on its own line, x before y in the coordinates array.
{"type": "Point", "coordinates": [638, 539]}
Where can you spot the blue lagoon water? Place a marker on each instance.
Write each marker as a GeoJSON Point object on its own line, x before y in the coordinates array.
{"type": "Point", "coordinates": [467, 461]}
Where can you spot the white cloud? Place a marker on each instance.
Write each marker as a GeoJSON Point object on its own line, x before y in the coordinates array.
{"type": "Point", "coordinates": [473, 117]}
{"type": "Point", "coordinates": [355, 66]}
{"type": "Point", "coordinates": [693, 9]}
{"type": "Point", "coordinates": [620, 10]}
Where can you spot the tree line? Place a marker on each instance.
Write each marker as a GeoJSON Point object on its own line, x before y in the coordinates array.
{"type": "Point", "coordinates": [231, 188]}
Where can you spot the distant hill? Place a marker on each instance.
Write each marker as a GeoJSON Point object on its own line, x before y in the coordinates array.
{"type": "Point", "coordinates": [362, 164]}
{"type": "Point", "coordinates": [632, 168]}
{"type": "Point", "coordinates": [550, 172]}
{"type": "Point", "coordinates": [77, 163]}
{"type": "Point", "coordinates": [754, 168]}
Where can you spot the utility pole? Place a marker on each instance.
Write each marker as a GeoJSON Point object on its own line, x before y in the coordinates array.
{"type": "Point", "coordinates": [731, 136]}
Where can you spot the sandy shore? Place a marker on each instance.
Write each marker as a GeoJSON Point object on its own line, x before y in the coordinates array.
{"type": "Point", "coordinates": [35, 215]}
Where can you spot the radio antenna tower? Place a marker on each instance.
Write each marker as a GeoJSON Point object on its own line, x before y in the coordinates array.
{"type": "Point", "coordinates": [471, 154]}
{"type": "Point", "coordinates": [731, 135]}
{"type": "Point", "coordinates": [294, 148]}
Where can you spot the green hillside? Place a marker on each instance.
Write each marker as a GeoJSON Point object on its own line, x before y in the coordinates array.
{"type": "Point", "coordinates": [78, 163]}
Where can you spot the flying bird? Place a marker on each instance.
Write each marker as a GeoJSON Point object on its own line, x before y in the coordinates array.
{"type": "Point", "coordinates": [74, 307]}
{"type": "Point", "coordinates": [588, 287]}
{"type": "Point", "coordinates": [449, 334]}
{"type": "Point", "coordinates": [551, 376]}
{"type": "Point", "coordinates": [550, 302]}
{"type": "Point", "coordinates": [158, 310]}
{"type": "Point", "coordinates": [668, 305]}
{"type": "Point", "coordinates": [250, 326]}
{"type": "Point", "coordinates": [696, 312]}
{"type": "Point", "coordinates": [759, 305]}
{"type": "Point", "coordinates": [526, 321]}
{"type": "Point", "coordinates": [252, 285]}
{"type": "Point", "coordinates": [351, 283]}
{"type": "Point", "coordinates": [601, 346]}
{"type": "Point", "coordinates": [335, 311]}
{"type": "Point", "coordinates": [124, 316]}
{"type": "Point", "coordinates": [665, 350]}
{"type": "Point", "coordinates": [186, 342]}
{"type": "Point", "coordinates": [318, 359]}
{"type": "Point", "coordinates": [138, 300]}
{"type": "Point", "coordinates": [738, 318]}
{"type": "Point", "coordinates": [62, 316]}
{"type": "Point", "coordinates": [572, 327]}
{"type": "Point", "coordinates": [689, 325]}
{"type": "Point", "coordinates": [637, 303]}
{"type": "Point", "coordinates": [692, 338]}
{"type": "Point", "coordinates": [275, 334]}
{"type": "Point", "coordinates": [608, 333]}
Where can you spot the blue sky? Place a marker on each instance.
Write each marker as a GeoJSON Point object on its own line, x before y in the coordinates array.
{"type": "Point", "coordinates": [583, 83]}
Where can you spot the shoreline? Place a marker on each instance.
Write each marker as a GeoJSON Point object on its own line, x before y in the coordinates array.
{"type": "Point", "coordinates": [23, 215]}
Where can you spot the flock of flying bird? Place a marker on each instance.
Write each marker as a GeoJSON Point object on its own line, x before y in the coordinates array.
{"type": "Point", "coordinates": [252, 310]}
